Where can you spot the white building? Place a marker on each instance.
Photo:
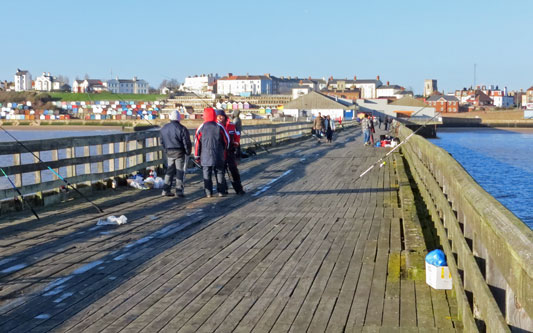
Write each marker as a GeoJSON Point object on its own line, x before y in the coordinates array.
{"type": "Point", "coordinates": [47, 82]}
{"type": "Point", "coordinates": [22, 80]}
{"type": "Point", "coordinates": [120, 86]}
{"type": "Point", "coordinates": [88, 85]}
{"type": "Point", "coordinates": [300, 91]}
{"type": "Point", "coordinates": [368, 88]}
{"type": "Point", "coordinates": [244, 85]}
{"type": "Point", "coordinates": [199, 84]}
{"type": "Point", "coordinates": [389, 91]}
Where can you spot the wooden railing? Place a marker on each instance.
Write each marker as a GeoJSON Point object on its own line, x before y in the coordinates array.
{"type": "Point", "coordinates": [95, 159]}
{"type": "Point", "coordinates": [489, 250]}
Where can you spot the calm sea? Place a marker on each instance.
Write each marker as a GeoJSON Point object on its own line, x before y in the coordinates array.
{"type": "Point", "coordinates": [40, 134]}
{"type": "Point", "coordinates": [501, 161]}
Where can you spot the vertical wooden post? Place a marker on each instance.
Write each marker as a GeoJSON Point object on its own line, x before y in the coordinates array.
{"type": "Point", "coordinates": [132, 160]}
{"type": "Point", "coordinates": [122, 160]}
{"type": "Point", "coordinates": [87, 166]}
{"type": "Point", "coordinates": [100, 152]}
{"type": "Point", "coordinates": [18, 176]}
{"type": "Point", "coordinates": [38, 178]}
{"type": "Point", "coordinates": [71, 169]}
{"type": "Point", "coordinates": [111, 166]}
{"type": "Point", "coordinates": [55, 157]}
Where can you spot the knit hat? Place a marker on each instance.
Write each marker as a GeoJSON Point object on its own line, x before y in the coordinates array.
{"type": "Point", "coordinates": [221, 112]}
{"type": "Point", "coordinates": [175, 115]}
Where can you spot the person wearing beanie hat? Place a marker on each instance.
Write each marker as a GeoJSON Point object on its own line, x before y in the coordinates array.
{"type": "Point", "coordinates": [231, 159]}
{"type": "Point", "coordinates": [175, 115]}
{"type": "Point", "coordinates": [211, 143]}
{"type": "Point", "coordinates": [176, 141]}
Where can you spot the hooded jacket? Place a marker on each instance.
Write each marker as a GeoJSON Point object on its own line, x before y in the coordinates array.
{"type": "Point", "coordinates": [211, 140]}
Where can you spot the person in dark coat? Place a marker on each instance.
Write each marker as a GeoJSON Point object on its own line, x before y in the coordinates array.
{"type": "Point", "coordinates": [176, 141]}
{"type": "Point", "coordinates": [212, 141]}
{"type": "Point", "coordinates": [231, 160]}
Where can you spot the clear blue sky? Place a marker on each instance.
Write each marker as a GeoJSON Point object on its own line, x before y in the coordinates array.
{"type": "Point", "coordinates": [404, 42]}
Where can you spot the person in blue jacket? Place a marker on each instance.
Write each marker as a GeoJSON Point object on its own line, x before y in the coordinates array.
{"type": "Point", "coordinates": [176, 141]}
{"type": "Point", "coordinates": [211, 143]}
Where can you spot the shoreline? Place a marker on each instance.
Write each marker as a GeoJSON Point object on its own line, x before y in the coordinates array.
{"type": "Point", "coordinates": [65, 127]}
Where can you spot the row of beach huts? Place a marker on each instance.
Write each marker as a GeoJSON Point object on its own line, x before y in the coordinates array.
{"type": "Point", "coordinates": [97, 110]}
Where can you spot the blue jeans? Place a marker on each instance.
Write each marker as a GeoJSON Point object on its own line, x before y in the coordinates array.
{"type": "Point", "coordinates": [175, 168]}
{"type": "Point", "coordinates": [367, 135]}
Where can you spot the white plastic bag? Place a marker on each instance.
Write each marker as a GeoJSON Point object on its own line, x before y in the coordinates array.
{"type": "Point", "coordinates": [113, 220]}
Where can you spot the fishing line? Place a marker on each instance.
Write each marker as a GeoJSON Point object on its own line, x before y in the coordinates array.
{"type": "Point", "coordinates": [381, 161]}
{"type": "Point", "coordinates": [257, 144]}
{"type": "Point", "coordinates": [49, 168]}
{"type": "Point", "coordinates": [20, 194]}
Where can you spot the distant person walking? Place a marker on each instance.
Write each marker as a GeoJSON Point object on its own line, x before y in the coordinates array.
{"type": "Point", "coordinates": [380, 120]}
{"type": "Point", "coordinates": [365, 126]}
{"type": "Point", "coordinates": [318, 126]}
{"type": "Point", "coordinates": [177, 144]}
{"type": "Point", "coordinates": [329, 124]}
{"type": "Point", "coordinates": [386, 123]}
{"type": "Point", "coordinates": [212, 141]}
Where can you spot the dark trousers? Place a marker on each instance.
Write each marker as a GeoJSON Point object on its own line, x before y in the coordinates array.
{"type": "Point", "coordinates": [231, 163]}
{"type": "Point", "coordinates": [208, 182]}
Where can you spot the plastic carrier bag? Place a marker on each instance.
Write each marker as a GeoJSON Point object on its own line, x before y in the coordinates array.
{"type": "Point", "coordinates": [436, 258]}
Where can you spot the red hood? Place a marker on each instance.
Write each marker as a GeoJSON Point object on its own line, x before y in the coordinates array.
{"type": "Point", "coordinates": [210, 115]}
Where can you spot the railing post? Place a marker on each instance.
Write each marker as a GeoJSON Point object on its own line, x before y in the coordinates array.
{"type": "Point", "coordinates": [273, 136]}
{"type": "Point", "coordinates": [122, 149]}
{"type": "Point", "coordinates": [111, 162]}
{"type": "Point", "coordinates": [87, 166]}
{"type": "Point", "coordinates": [38, 175]}
{"type": "Point", "coordinates": [18, 176]}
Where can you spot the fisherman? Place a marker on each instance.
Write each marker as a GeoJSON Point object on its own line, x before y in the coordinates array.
{"type": "Point", "coordinates": [365, 126]}
{"type": "Point", "coordinates": [231, 160]}
{"type": "Point", "coordinates": [212, 142]}
{"type": "Point", "coordinates": [176, 141]}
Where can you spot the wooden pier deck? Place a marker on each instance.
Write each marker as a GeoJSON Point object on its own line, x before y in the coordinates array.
{"type": "Point", "coordinates": [306, 249]}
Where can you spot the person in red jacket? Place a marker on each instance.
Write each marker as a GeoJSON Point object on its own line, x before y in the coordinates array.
{"type": "Point", "coordinates": [212, 142]}
{"type": "Point", "coordinates": [231, 159]}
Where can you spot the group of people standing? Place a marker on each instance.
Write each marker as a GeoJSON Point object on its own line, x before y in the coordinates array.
{"type": "Point", "coordinates": [324, 126]}
{"type": "Point", "coordinates": [217, 142]}
{"type": "Point", "coordinates": [367, 125]}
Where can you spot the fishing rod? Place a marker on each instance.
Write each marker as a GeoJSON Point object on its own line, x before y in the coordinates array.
{"type": "Point", "coordinates": [53, 171]}
{"type": "Point", "coordinates": [20, 194]}
{"type": "Point", "coordinates": [381, 161]}
{"type": "Point", "coordinates": [257, 144]}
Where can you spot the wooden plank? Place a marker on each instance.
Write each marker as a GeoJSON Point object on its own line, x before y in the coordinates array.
{"type": "Point", "coordinates": [407, 304]}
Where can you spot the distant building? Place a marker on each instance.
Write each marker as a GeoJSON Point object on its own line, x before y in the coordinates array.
{"type": "Point", "coordinates": [122, 86]}
{"type": "Point", "coordinates": [389, 91]}
{"type": "Point", "coordinates": [367, 88]}
{"type": "Point", "coordinates": [444, 103]}
{"type": "Point", "coordinates": [311, 104]}
{"type": "Point", "coordinates": [47, 82]}
{"type": "Point", "coordinates": [245, 85]}
{"type": "Point", "coordinates": [22, 80]}
{"type": "Point", "coordinates": [202, 84]}
{"type": "Point", "coordinates": [300, 91]}
{"type": "Point", "coordinates": [528, 96]}
{"type": "Point", "coordinates": [430, 86]}
{"type": "Point", "coordinates": [88, 86]}
{"type": "Point", "coordinates": [501, 99]}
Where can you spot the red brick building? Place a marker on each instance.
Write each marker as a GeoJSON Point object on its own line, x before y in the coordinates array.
{"type": "Point", "coordinates": [443, 103]}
